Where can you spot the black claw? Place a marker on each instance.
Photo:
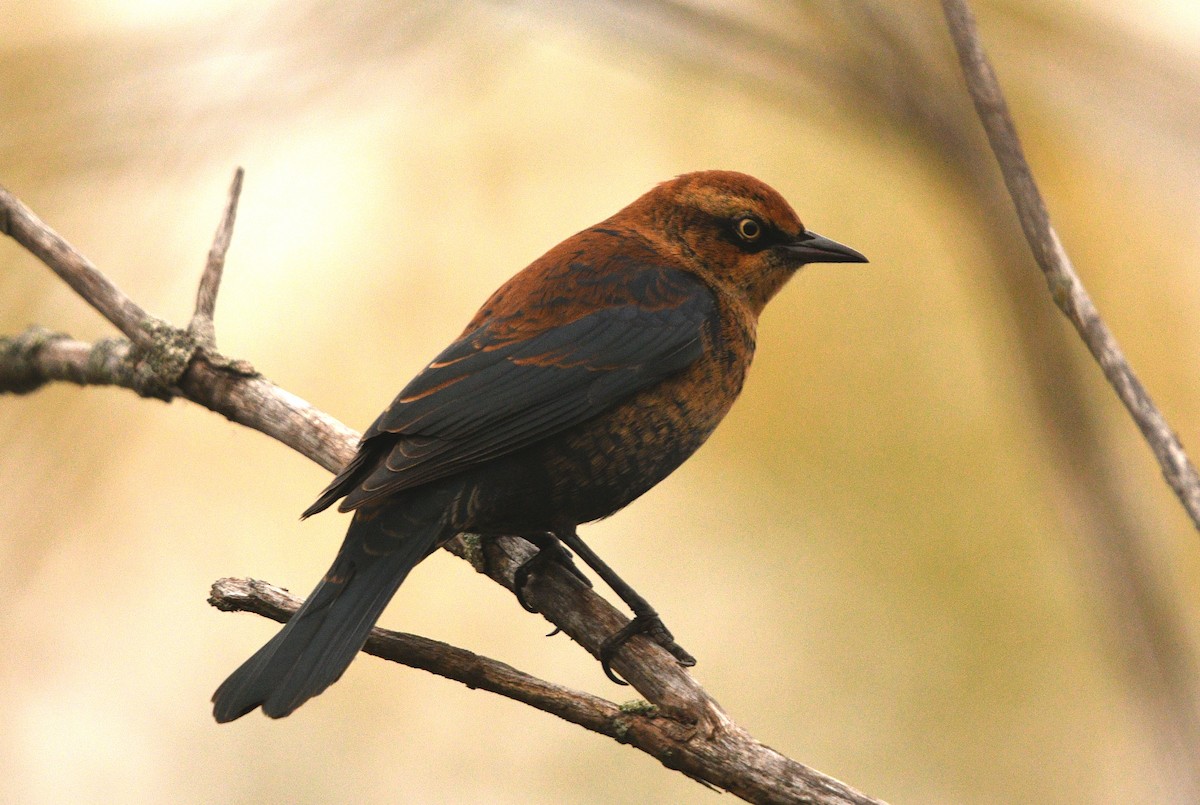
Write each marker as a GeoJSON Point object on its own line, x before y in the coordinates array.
{"type": "Point", "coordinates": [549, 549]}
{"type": "Point", "coordinates": [651, 625]}
{"type": "Point", "coordinates": [608, 672]}
{"type": "Point", "coordinates": [521, 578]}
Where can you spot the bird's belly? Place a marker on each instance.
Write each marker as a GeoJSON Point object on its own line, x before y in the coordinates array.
{"type": "Point", "coordinates": [602, 467]}
{"type": "Point", "coordinates": [598, 467]}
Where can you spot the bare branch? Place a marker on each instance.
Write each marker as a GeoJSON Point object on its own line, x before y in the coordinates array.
{"type": "Point", "coordinates": [474, 670]}
{"type": "Point", "coordinates": [749, 769]}
{"type": "Point", "coordinates": [229, 387]}
{"type": "Point", "coordinates": [589, 620]}
{"type": "Point", "coordinates": [1066, 288]}
{"type": "Point", "coordinates": [18, 222]}
{"type": "Point", "coordinates": [201, 327]}
{"type": "Point", "coordinates": [38, 356]}
{"type": "Point", "coordinates": [233, 389]}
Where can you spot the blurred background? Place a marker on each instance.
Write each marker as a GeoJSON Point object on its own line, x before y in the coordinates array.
{"type": "Point", "coordinates": [927, 553]}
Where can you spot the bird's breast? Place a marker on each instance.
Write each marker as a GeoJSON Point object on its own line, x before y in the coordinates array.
{"type": "Point", "coordinates": [601, 466]}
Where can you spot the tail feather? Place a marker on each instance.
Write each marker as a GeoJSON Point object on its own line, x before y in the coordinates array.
{"type": "Point", "coordinates": [315, 647]}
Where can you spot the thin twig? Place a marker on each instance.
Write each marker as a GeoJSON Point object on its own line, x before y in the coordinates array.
{"type": "Point", "coordinates": [18, 222]}
{"type": "Point", "coordinates": [1065, 286]}
{"type": "Point", "coordinates": [1144, 626]}
{"type": "Point", "coordinates": [201, 326]}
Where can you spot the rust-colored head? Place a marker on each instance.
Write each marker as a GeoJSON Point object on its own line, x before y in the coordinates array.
{"type": "Point", "coordinates": [733, 230]}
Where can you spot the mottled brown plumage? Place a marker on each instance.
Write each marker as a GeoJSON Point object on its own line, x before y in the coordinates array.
{"type": "Point", "coordinates": [582, 382]}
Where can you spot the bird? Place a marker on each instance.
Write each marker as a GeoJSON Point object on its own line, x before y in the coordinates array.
{"type": "Point", "coordinates": [582, 382]}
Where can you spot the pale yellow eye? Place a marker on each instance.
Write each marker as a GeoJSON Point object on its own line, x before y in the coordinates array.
{"type": "Point", "coordinates": [749, 229]}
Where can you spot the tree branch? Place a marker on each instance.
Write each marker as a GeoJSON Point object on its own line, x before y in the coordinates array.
{"type": "Point", "coordinates": [1066, 288]}
{"type": "Point", "coordinates": [767, 776]}
{"type": "Point", "coordinates": [19, 223]}
{"type": "Point", "coordinates": [201, 327]}
{"type": "Point", "coordinates": [685, 730]}
{"type": "Point", "coordinates": [473, 670]}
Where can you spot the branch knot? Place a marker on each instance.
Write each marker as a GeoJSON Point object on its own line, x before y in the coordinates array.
{"type": "Point", "coordinates": [158, 367]}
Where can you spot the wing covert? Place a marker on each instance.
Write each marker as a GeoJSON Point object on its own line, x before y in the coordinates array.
{"type": "Point", "coordinates": [497, 389]}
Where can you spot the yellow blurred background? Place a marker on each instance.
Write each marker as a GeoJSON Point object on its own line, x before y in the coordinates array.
{"type": "Point", "coordinates": [883, 559]}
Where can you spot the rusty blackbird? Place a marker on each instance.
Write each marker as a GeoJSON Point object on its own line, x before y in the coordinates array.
{"type": "Point", "coordinates": [582, 382]}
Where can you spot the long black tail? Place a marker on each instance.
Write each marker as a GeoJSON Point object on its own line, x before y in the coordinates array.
{"type": "Point", "coordinates": [313, 649]}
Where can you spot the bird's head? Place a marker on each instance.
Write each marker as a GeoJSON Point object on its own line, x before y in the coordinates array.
{"type": "Point", "coordinates": [735, 231]}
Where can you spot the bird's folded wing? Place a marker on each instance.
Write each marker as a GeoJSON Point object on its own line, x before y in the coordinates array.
{"type": "Point", "coordinates": [493, 391]}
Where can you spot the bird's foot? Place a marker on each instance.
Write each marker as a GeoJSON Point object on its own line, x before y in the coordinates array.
{"type": "Point", "coordinates": [646, 623]}
{"type": "Point", "coordinates": [549, 550]}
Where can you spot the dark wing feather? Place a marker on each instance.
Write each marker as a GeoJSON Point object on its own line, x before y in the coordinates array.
{"type": "Point", "coordinates": [490, 394]}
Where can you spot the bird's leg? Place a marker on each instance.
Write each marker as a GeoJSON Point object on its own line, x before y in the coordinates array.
{"type": "Point", "coordinates": [645, 618]}
{"type": "Point", "coordinates": [549, 549]}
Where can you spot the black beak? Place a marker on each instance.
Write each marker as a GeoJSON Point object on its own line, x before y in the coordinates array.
{"type": "Point", "coordinates": [812, 248]}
